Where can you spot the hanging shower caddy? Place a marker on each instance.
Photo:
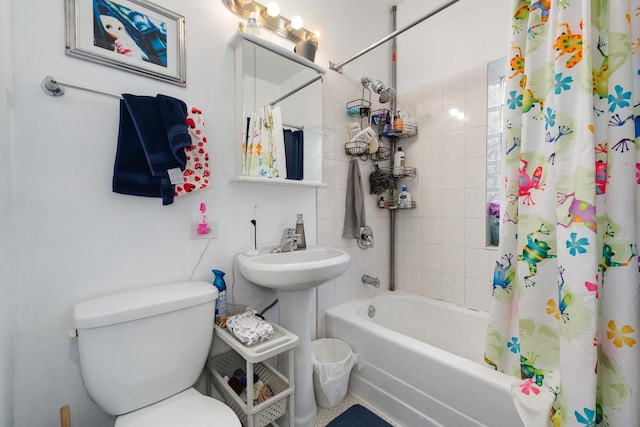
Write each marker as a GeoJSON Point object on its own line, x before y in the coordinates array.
{"type": "Point", "coordinates": [361, 108]}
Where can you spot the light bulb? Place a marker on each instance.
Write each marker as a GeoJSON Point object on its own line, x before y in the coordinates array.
{"type": "Point", "coordinates": [296, 22]}
{"type": "Point", "coordinates": [273, 9]}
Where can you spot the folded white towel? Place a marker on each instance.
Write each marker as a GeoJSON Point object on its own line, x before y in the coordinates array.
{"type": "Point", "coordinates": [248, 328]}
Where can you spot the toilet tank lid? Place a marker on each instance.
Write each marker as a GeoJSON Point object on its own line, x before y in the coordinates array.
{"type": "Point", "coordinates": [139, 303]}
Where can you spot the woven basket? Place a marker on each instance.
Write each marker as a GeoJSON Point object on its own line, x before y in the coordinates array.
{"type": "Point", "coordinates": [263, 413]}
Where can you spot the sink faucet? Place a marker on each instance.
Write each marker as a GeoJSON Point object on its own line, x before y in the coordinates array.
{"type": "Point", "coordinates": [288, 242]}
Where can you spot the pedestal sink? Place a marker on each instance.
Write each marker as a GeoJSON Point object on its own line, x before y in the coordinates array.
{"type": "Point", "coordinates": [294, 275]}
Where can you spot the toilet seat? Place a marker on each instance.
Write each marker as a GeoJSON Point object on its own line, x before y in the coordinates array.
{"type": "Point", "coordinates": [186, 409]}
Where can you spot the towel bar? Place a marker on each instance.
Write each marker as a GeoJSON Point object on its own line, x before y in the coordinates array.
{"type": "Point", "coordinates": [54, 87]}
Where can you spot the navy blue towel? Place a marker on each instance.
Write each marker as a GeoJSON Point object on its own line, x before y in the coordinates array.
{"type": "Point", "coordinates": [151, 140]}
{"type": "Point", "coordinates": [294, 153]}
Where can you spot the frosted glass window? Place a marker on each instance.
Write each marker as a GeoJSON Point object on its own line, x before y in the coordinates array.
{"type": "Point", "coordinates": [496, 71]}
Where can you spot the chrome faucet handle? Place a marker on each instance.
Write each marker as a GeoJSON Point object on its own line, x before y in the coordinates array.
{"type": "Point", "coordinates": [288, 242]}
{"type": "Point", "coordinates": [287, 233]}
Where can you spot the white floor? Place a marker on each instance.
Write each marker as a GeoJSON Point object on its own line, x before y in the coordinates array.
{"type": "Point", "coordinates": [326, 415]}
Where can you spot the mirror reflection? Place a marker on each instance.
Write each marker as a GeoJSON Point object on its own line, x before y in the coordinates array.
{"type": "Point", "coordinates": [281, 117]}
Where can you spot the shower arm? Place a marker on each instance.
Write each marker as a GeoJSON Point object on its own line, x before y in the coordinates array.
{"type": "Point", "coordinates": [338, 67]}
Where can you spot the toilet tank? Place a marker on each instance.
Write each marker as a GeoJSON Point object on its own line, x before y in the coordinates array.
{"type": "Point", "coordinates": [141, 346]}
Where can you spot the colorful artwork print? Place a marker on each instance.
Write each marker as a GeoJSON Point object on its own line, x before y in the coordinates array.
{"type": "Point", "coordinates": [129, 32]}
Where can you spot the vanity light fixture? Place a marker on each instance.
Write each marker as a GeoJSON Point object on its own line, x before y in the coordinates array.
{"type": "Point", "coordinates": [295, 24]}
{"type": "Point", "coordinates": [273, 9]}
{"type": "Point", "coordinates": [269, 18]}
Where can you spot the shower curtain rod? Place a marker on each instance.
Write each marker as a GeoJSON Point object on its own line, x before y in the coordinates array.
{"type": "Point", "coordinates": [296, 90]}
{"type": "Point", "coordinates": [54, 87]}
{"type": "Point", "coordinates": [338, 67]}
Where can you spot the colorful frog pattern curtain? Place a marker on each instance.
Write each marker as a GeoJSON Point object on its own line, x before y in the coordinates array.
{"type": "Point", "coordinates": [565, 307]}
{"type": "Point", "coordinates": [263, 153]}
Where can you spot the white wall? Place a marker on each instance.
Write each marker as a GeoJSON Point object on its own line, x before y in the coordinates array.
{"type": "Point", "coordinates": [461, 37]}
{"type": "Point", "coordinates": [441, 245]}
{"type": "Point", "coordinates": [7, 276]}
{"type": "Point", "coordinates": [76, 239]}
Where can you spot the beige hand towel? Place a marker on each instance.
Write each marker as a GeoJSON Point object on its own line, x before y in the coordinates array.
{"type": "Point", "coordinates": [354, 215]}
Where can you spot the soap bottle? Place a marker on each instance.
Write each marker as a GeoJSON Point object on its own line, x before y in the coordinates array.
{"type": "Point", "coordinates": [221, 302]}
{"type": "Point", "coordinates": [404, 199]}
{"type": "Point", "coordinates": [398, 123]}
{"type": "Point", "coordinates": [302, 242]}
{"type": "Point", "coordinates": [398, 162]}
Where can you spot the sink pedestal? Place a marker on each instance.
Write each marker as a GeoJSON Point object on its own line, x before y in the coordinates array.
{"type": "Point", "coordinates": [295, 309]}
{"type": "Point", "coordinates": [294, 275]}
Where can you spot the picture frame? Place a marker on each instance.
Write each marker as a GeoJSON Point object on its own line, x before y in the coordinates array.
{"type": "Point", "coordinates": [133, 35]}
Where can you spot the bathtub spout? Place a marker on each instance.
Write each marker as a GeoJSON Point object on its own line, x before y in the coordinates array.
{"type": "Point", "coordinates": [369, 280]}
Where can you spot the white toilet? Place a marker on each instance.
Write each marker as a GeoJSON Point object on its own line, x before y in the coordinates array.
{"type": "Point", "coordinates": [141, 351]}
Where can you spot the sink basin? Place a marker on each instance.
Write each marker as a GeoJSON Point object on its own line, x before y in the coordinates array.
{"type": "Point", "coordinates": [293, 271]}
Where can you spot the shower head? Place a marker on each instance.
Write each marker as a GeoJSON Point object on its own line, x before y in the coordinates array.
{"type": "Point", "coordinates": [386, 93]}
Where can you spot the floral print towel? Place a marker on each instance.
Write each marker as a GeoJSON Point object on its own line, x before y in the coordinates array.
{"type": "Point", "coordinates": [197, 172]}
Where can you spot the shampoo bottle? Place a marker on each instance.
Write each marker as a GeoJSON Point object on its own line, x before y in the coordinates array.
{"type": "Point", "coordinates": [302, 243]}
{"type": "Point", "coordinates": [398, 162]}
{"type": "Point", "coordinates": [404, 199]}
{"type": "Point", "coordinates": [221, 302]}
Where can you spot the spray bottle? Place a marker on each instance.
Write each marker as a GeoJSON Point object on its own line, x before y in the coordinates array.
{"type": "Point", "coordinates": [221, 302]}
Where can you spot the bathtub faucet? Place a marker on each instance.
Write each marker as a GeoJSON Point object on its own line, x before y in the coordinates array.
{"type": "Point", "coordinates": [288, 242]}
{"type": "Point", "coordinates": [369, 280]}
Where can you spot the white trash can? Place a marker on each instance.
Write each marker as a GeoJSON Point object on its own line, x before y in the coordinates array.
{"type": "Point", "coordinates": [332, 361]}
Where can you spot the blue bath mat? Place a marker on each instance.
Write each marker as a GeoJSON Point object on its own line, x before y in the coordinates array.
{"type": "Point", "coordinates": [358, 416]}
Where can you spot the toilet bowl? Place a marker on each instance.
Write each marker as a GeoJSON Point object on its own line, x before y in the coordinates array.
{"type": "Point", "coordinates": [142, 350]}
{"type": "Point", "coordinates": [187, 408]}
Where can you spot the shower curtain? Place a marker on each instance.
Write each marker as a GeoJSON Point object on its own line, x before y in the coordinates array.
{"type": "Point", "coordinates": [565, 306]}
{"type": "Point", "coordinates": [263, 153]}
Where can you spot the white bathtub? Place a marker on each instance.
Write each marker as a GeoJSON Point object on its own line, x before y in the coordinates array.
{"type": "Point", "coordinates": [422, 362]}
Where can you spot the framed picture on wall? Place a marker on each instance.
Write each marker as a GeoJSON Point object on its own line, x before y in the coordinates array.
{"type": "Point", "coordinates": [133, 35]}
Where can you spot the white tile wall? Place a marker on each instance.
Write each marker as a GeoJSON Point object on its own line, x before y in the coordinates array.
{"type": "Point", "coordinates": [440, 246]}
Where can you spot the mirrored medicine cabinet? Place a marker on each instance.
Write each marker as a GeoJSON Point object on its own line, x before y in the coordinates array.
{"type": "Point", "coordinates": [269, 74]}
